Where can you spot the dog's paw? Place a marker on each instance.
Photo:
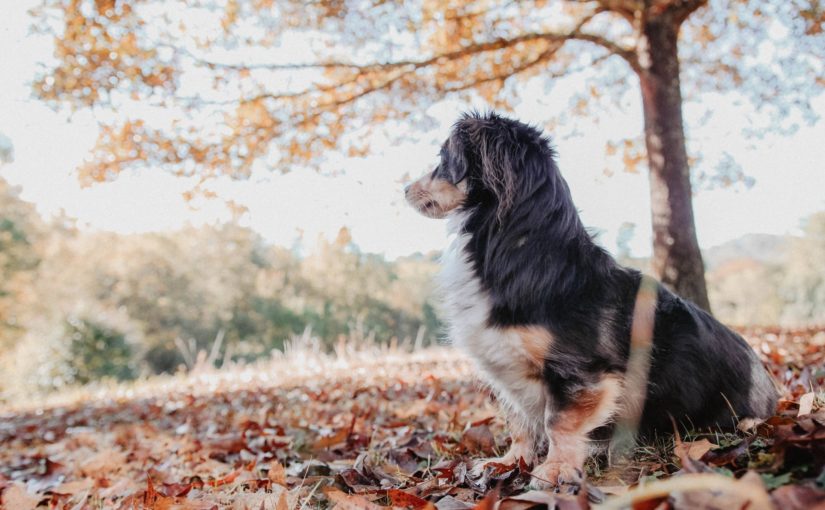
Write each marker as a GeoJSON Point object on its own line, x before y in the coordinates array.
{"type": "Point", "coordinates": [478, 465]}
{"type": "Point", "coordinates": [551, 474]}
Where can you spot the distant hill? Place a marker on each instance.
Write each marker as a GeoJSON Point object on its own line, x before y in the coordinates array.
{"type": "Point", "coordinates": [764, 248]}
{"type": "Point", "coordinates": [761, 249]}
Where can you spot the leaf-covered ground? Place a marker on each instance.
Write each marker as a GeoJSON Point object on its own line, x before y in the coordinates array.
{"type": "Point", "coordinates": [382, 428]}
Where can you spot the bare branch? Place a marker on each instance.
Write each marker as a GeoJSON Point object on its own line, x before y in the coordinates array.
{"type": "Point", "coordinates": [542, 57]}
{"type": "Point", "coordinates": [627, 54]}
{"type": "Point", "coordinates": [411, 65]}
{"type": "Point", "coordinates": [486, 46]}
{"type": "Point", "coordinates": [575, 34]}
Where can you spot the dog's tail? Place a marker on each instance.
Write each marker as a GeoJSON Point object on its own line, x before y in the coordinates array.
{"type": "Point", "coordinates": [763, 394]}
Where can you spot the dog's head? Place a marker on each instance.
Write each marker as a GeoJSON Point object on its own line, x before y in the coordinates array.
{"type": "Point", "coordinates": [487, 159]}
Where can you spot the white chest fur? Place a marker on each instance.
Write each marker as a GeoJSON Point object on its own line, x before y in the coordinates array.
{"type": "Point", "coordinates": [500, 354]}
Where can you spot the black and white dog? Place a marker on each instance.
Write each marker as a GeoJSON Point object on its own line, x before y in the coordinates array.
{"type": "Point", "coordinates": [547, 314]}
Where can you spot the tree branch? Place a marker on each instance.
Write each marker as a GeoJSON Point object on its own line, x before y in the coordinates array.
{"type": "Point", "coordinates": [542, 57]}
{"type": "Point", "coordinates": [576, 34]}
{"type": "Point", "coordinates": [627, 54]}
{"type": "Point", "coordinates": [406, 67]}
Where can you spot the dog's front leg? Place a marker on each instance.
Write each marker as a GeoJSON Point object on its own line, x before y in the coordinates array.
{"type": "Point", "coordinates": [523, 446]}
{"type": "Point", "coordinates": [567, 430]}
{"type": "Point", "coordinates": [523, 406]}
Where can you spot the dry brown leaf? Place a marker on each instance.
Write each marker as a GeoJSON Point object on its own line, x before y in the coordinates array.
{"type": "Point", "coordinates": [164, 503]}
{"type": "Point", "coordinates": [806, 403]}
{"type": "Point", "coordinates": [262, 500]}
{"type": "Point", "coordinates": [751, 495]}
{"type": "Point", "coordinates": [479, 439]}
{"type": "Point", "coordinates": [277, 473]}
{"type": "Point", "coordinates": [103, 463]}
{"type": "Point", "coordinates": [530, 499]}
{"type": "Point", "coordinates": [452, 503]}
{"type": "Point", "coordinates": [74, 487]}
{"type": "Point", "coordinates": [697, 489]}
{"type": "Point", "coordinates": [613, 490]}
{"type": "Point", "coordinates": [799, 497]}
{"type": "Point", "coordinates": [413, 409]}
{"type": "Point", "coordinates": [344, 501]}
{"type": "Point", "coordinates": [694, 449]}
{"type": "Point", "coordinates": [16, 497]}
{"type": "Point", "coordinates": [406, 500]}
{"type": "Point", "coordinates": [327, 441]}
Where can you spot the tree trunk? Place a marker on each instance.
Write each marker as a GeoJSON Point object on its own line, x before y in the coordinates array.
{"type": "Point", "coordinates": [677, 261]}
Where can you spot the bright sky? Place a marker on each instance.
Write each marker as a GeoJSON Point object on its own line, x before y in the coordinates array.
{"type": "Point", "coordinates": [365, 193]}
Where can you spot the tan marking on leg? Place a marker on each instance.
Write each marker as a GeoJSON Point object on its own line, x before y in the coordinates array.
{"type": "Point", "coordinates": [567, 432]}
{"type": "Point", "coordinates": [592, 408]}
{"type": "Point", "coordinates": [535, 342]}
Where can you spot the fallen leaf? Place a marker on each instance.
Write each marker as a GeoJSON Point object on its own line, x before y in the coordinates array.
{"type": "Point", "coordinates": [327, 441]}
{"type": "Point", "coordinates": [489, 501]}
{"type": "Point", "coordinates": [750, 494]}
{"type": "Point", "coordinates": [725, 456]}
{"type": "Point", "coordinates": [406, 500]}
{"type": "Point", "coordinates": [452, 503]}
{"type": "Point", "coordinates": [261, 500]}
{"type": "Point", "coordinates": [276, 473]}
{"type": "Point", "coordinates": [799, 497]}
{"type": "Point", "coordinates": [344, 501]}
{"type": "Point", "coordinates": [528, 500]}
{"type": "Point", "coordinates": [74, 487]}
{"type": "Point", "coordinates": [228, 478]}
{"type": "Point", "coordinates": [694, 449]}
{"type": "Point", "coordinates": [479, 440]}
{"type": "Point", "coordinates": [103, 463]}
{"type": "Point", "coordinates": [806, 403]}
{"type": "Point", "coordinates": [16, 497]}
{"type": "Point", "coordinates": [164, 503]}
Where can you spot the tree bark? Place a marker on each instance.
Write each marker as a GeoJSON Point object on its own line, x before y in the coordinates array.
{"type": "Point", "coordinates": [677, 261]}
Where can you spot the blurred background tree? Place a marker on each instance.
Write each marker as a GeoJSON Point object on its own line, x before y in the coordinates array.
{"type": "Point", "coordinates": [804, 279]}
{"type": "Point", "coordinates": [290, 81]}
{"type": "Point", "coordinates": [83, 306]}
{"type": "Point", "coordinates": [20, 231]}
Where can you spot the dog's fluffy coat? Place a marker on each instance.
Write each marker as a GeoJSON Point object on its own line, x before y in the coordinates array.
{"type": "Point", "coordinates": [547, 314]}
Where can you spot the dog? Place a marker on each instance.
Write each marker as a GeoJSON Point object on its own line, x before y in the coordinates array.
{"type": "Point", "coordinates": [548, 316]}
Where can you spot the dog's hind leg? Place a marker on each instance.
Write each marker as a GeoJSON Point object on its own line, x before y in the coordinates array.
{"type": "Point", "coordinates": [567, 432]}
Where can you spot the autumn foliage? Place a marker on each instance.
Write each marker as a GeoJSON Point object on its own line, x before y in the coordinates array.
{"type": "Point", "coordinates": [211, 88]}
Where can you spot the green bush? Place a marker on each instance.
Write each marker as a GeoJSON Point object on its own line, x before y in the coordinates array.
{"type": "Point", "coordinates": [97, 351]}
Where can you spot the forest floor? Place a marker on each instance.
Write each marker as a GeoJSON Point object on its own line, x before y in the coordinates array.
{"type": "Point", "coordinates": [372, 428]}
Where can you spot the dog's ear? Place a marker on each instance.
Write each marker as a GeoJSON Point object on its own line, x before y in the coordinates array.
{"type": "Point", "coordinates": [455, 161]}
{"type": "Point", "coordinates": [495, 148]}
